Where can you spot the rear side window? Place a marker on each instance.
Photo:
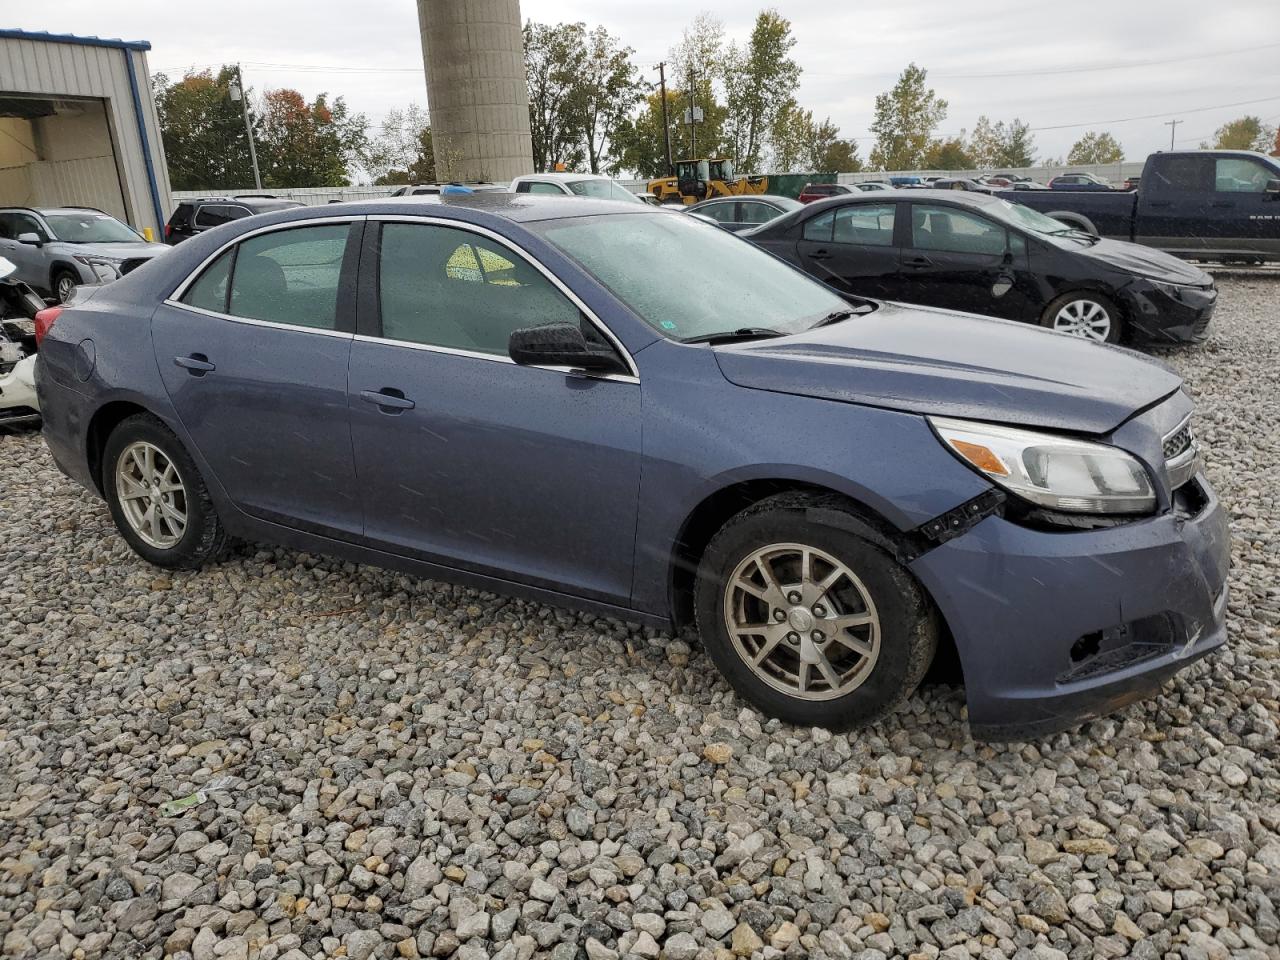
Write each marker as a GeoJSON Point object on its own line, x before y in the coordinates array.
{"type": "Point", "coordinates": [212, 215]}
{"type": "Point", "coordinates": [719, 212]}
{"type": "Point", "coordinates": [819, 228]}
{"type": "Point", "coordinates": [752, 211]}
{"type": "Point", "coordinates": [866, 224]}
{"type": "Point", "coordinates": [290, 276]}
{"type": "Point", "coordinates": [209, 292]}
{"type": "Point", "coordinates": [446, 287]}
{"type": "Point", "coordinates": [181, 218]}
{"type": "Point", "coordinates": [1182, 174]}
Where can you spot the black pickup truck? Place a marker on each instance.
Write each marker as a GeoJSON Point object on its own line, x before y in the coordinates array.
{"type": "Point", "coordinates": [1198, 204]}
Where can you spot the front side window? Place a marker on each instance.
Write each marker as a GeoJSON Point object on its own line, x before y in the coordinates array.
{"type": "Point", "coordinates": [14, 225]}
{"type": "Point", "coordinates": [1241, 175]}
{"type": "Point", "coordinates": [719, 212]}
{"type": "Point", "coordinates": [949, 230]}
{"type": "Point", "coordinates": [748, 287]}
{"type": "Point", "coordinates": [752, 211]}
{"type": "Point", "coordinates": [819, 228]}
{"type": "Point", "coordinates": [290, 276]}
{"type": "Point", "coordinates": [445, 287]}
{"type": "Point", "coordinates": [866, 224]}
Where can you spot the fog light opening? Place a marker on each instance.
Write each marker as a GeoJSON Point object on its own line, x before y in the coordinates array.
{"type": "Point", "coordinates": [1087, 646]}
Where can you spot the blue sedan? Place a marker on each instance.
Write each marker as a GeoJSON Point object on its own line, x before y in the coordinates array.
{"type": "Point", "coordinates": [602, 405]}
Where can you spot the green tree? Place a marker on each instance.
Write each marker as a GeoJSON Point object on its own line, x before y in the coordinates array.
{"type": "Point", "coordinates": [400, 152]}
{"type": "Point", "coordinates": [1018, 145]}
{"type": "Point", "coordinates": [553, 57]}
{"type": "Point", "coordinates": [1095, 147]}
{"type": "Point", "coordinates": [609, 87]}
{"type": "Point", "coordinates": [1245, 133]}
{"type": "Point", "coordinates": [799, 143]}
{"type": "Point", "coordinates": [906, 117]}
{"type": "Point", "coordinates": [950, 154]}
{"type": "Point", "coordinates": [759, 79]}
{"type": "Point", "coordinates": [202, 129]}
{"type": "Point", "coordinates": [303, 144]}
{"type": "Point", "coordinates": [698, 61]}
{"type": "Point", "coordinates": [638, 144]}
{"type": "Point", "coordinates": [1001, 145]}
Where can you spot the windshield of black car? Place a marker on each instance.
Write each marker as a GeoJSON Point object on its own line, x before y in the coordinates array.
{"type": "Point", "coordinates": [1016, 215]}
{"type": "Point", "coordinates": [691, 280]}
{"type": "Point", "coordinates": [90, 228]}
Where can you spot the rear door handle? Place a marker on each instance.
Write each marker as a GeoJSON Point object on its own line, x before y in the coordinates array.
{"type": "Point", "coordinates": [820, 255]}
{"type": "Point", "coordinates": [197, 364]}
{"type": "Point", "coordinates": [919, 262]}
{"type": "Point", "coordinates": [1160, 203]}
{"type": "Point", "coordinates": [388, 398]}
{"type": "Point", "coordinates": [1225, 203]}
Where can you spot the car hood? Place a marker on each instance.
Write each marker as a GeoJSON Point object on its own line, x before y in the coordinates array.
{"type": "Point", "coordinates": [121, 251]}
{"type": "Point", "coordinates": [1146, 262]}
{"type": "Point", "coordinates": [926, 361]}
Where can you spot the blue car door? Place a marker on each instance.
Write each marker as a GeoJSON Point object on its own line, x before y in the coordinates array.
{"type": "Point", "coordinates": [468, 459]}
{"type": "Point", "coordinates": [254, 357]}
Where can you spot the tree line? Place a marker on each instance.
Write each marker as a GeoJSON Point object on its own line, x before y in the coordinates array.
{"type": "Point", "coordinates": [592, 108]}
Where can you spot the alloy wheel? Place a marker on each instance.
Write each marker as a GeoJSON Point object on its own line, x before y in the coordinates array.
{"type": "Point", "coordinates": [1087, 319]}
{"type": "Point", "coordinates": [802, 621]}
{"type": "Point", "coordinates": [152, 496]}
{"type": "Point", "coordinates": [65, 286]}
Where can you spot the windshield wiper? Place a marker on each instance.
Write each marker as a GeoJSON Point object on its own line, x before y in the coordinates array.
{"type": "Point", "coordinates": [732, 336]}
{"type": "Point", "coordinates": [835, 316]}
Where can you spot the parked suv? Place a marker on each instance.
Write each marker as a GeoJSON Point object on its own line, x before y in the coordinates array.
{"type": "Point", "coordinates": [57, 248]}
{"type": "Point", "coordinates": [196, 216]}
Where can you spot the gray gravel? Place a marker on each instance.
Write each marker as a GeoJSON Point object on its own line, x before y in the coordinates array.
{"type": "Point", "coordinates": [407, 768]}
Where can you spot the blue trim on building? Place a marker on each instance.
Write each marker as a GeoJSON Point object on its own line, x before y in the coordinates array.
{"type": "Point", "coordinates": [45, 37]}
{"type": "Point", "coordinates": [146, 143]}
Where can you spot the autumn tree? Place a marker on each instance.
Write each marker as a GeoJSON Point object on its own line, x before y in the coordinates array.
{"type": "Point", "coordinates": [303, 144]}
{"type": "Point", "coordinates": [1001, 145]}
{"type": "Point", "coordinates": [1095, 147]}
{"type": "Point", "coordinates": [1245, 133]}
{"type": "Point", "coordinates": [202, 130]}
{"type": "Point", "coordinates": [801, 143]}
{"type": "Point", "coordinates": [949, 154]}
{"type": "Point", "coordinates": [905, 119]}
{"type": "Point", "coordinates": [400, 151]}
{"type": "Point", "coordinates": [759, 79]}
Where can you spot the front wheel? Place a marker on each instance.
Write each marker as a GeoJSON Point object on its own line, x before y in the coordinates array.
{"type": "Point", "coordinates": [64, 283]}
{"type": "Point", "coordinates": [1089, 316]}
{"type": "Point", "coordinates": [158, 500]}
{"type": "Point", "coordinates": [810, 622]}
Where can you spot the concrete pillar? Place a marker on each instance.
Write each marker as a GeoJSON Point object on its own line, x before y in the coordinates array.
{"type": "Point", "coordinates": [476, 92]}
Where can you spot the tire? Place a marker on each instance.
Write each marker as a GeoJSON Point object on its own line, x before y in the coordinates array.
{"type": "Point", "coordinates": [1057, 316]}
{"type": "Point", "coordinates": [201, 538]}
{"type": "Point", "coordinates": [64, 282]}
{"type": "Point", "coordinates": [896, 649]}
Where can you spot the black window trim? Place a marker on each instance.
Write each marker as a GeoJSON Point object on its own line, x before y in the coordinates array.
{"type": "Point", "coordinates": [369, 323]}
{"type": "Point", "coordinates": [345, 309]}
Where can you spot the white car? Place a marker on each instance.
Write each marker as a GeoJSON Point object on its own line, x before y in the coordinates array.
{"type": "Point", "coordinates": [574, 185]}
{"type": "Point", "coordinates": [18, 403]}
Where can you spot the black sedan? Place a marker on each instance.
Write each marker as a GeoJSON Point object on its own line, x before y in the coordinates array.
{"type": "Point", "coordinates": [736, 214]}
{"type": "Point", "coordinates": [972, 252]}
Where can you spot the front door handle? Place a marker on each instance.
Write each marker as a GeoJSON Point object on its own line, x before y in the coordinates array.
{"type": "Point", "coordinates": [820, 255]}
{"type": "Point", "coordinates": [388, 398]}
{"type": "Point", "coordinates": [919, 262]}
{"type": "Point", "coordinates": [1160, 203]}
{"type": "Point", "coordinates": [197, 364]}
{"type": "Point", "coordinates": [1222, 203]}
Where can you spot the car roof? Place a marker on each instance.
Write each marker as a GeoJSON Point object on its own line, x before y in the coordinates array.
{"type": "Point", "coordinates": [560, 175]}
{"type": "Point", "coordinates": [748, 196]}
{"type": "Point", "coordinates": [516, 207]}
{"type": "Point", "coordinates": [45, 211]}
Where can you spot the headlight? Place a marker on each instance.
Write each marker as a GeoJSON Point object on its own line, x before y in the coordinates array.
{"type": "Point", "coordinates": [1058, 473]}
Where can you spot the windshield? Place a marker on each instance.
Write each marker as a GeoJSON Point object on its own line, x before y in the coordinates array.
{"type": "Point", "coordinates": [89, 227]}
{"type": "Point", "coordinates": [710, 281]}
{"type": "Point", "coordinates": [603, 189]}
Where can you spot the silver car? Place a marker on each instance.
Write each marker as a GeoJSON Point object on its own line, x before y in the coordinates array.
{"type": "Point", "coordinates": [56, 249]}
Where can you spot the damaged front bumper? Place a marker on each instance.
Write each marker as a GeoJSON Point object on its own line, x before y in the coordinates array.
{"type": "Point", "coordinates": [1054, 628]}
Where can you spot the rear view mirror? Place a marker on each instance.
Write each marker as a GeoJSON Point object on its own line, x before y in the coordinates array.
{"type": "Point", "coordinates": [31, 239]}
{"type": "Point", "coordinates": [560, 345]}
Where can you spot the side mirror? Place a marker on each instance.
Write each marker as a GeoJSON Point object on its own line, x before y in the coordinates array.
{"type": "Point", "coordinates": [560, 345]}
{"type": "Point", "coordinates": [1273, 187]}
{"type": "Point", "coordinates": [31, 239]}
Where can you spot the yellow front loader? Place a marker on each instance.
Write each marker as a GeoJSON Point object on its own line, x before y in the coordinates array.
{"type": "Point", "coordinates": [702, 179]}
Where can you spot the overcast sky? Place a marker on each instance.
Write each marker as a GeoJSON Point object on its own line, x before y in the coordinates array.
{"type": "Point", "coordinates": [1073, 64]}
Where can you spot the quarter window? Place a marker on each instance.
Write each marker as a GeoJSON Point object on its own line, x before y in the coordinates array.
{"type": "Point", "coordinates": [866, 224]}
{"type": "Point", "coordinates": [949, 230]}
{"type": "Point", "coordinates": [445, 287]}
{"type": "Point", "coordinates": [290, 276]}
{"type": "Point", "coordinates": [1240, 175]}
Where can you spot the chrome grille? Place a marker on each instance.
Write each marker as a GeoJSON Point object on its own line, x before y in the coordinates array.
{"type": "Point", "coordinates": [1181, 458]}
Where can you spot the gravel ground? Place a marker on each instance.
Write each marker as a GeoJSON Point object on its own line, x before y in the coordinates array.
{"type": "Point", "coordinates": [400, 767]}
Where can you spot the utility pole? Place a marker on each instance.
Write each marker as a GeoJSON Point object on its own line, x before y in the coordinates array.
{"type": "Point", "coordinates": [238, 93]}
{"type": "Point", "coordinates": [693, 124]}
{"type": "Point", "coordinates": [1173, 128]}
{"type": "Point", "coordinates": [666, 126]}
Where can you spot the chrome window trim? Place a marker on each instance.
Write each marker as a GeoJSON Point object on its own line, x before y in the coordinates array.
{"type": "Point", "coordinates": [537, 265]}
{"type": "Point", "coordinates": [494, 358]}
{"type": "Point", "coordinates": [249, 321]}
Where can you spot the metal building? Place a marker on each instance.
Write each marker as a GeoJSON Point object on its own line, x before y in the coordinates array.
{"type": "Point", "coordinates": [476, 88]}
{"type": "Point", "coordinates": [78, 126]}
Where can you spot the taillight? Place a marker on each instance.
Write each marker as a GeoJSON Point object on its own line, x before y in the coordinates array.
{"type": "Point", "coordinates": [168, 230]}
{"type": "Point", "coordinates": [44, 321]}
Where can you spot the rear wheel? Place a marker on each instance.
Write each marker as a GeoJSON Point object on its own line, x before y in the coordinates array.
{"type": "Point", "coordinates": [158, 500]}
{"type": "Point", "coordinates": [1089, 316]}
{"type": "Point", "coordinates": [811, 623]}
